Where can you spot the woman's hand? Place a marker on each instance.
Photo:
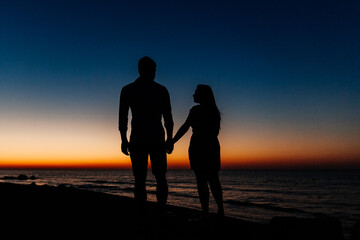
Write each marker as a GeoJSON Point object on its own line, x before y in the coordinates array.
{"type": "Point", "coordinates": [169, 146]}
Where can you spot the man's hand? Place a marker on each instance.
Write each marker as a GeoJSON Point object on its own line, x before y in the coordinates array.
{"type": "Point", "coordinates": [125, 147]}
{"type": "Point", "coordinates": [169, 146]}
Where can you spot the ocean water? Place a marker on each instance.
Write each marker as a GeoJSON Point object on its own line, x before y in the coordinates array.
{"type": "Point", "coordinates": [249, 195]}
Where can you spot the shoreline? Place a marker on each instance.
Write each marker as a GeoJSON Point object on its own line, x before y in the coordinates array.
{"type": "Point", "coordinates": [36, 210]}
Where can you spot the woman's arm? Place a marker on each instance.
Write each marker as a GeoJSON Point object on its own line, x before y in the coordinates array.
{"type": "Point", "coordinates": [182, 130]}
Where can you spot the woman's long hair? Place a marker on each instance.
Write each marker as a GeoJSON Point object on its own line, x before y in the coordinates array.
{"type": "Point", "coordinates": [207, 99]}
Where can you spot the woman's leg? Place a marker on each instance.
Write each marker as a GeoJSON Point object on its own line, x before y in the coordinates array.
{"type": "Point", "coordinates": [203, 191]}
{"type": "Point", "coordinates": [216, 191]}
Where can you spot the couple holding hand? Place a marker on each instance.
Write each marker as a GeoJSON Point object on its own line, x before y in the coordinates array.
{"type": "Point", "coordinates": [149, 103]}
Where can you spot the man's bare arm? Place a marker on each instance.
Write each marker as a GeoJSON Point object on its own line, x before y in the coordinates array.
{"type": "Point", "coordinates": [123, 121]}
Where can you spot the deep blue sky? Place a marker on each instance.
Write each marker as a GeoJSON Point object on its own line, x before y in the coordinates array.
{"type": "Point", "coordinates": [275, 66]}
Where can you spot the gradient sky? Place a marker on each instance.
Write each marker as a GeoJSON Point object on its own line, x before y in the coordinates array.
{"type": "Point", "coordinates": [285, 74]}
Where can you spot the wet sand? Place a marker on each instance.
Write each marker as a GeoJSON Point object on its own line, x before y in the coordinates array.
{"type": "Point", "coordinates": [49, 212]}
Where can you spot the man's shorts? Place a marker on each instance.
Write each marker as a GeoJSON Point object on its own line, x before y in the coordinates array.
{"type": "Point", "coordinates": [139, 159]}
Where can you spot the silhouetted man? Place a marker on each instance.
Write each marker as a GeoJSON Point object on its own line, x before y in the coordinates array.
{"type": "Point", "coordinates": [149, 102]}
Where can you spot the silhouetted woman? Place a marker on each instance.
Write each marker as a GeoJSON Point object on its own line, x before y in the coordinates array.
{"type": "Point", "coordinates": [204, 149]}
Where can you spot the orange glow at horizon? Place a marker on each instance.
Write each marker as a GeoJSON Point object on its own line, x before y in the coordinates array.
{"type": "Point", "coordinates": [59, 142]}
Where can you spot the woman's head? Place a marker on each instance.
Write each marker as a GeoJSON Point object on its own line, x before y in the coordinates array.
{"type": "Point", "coordinates": [204, 95]}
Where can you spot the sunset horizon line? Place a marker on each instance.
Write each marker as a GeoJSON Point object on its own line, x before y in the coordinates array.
{"type": "Point", "coordinates": [229, 164]}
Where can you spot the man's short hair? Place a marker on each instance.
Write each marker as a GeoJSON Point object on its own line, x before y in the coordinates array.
{"type": "Point", "coordinates": [146, 64]}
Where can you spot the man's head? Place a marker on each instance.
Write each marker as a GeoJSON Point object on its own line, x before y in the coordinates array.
{"type": "Point", "coordinates": [147, 68]}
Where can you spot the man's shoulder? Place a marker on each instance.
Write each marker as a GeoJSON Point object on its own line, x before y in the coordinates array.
{"type": "Point", "coordinates": [159, 86]}
{"type": "Point", "coordinates": [128, 87]}
{"type": "Point", "coordinates": [134, 86]}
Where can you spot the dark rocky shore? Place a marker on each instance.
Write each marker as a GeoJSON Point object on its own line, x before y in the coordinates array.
{"type": "Point", "coordinates": [56, 212]}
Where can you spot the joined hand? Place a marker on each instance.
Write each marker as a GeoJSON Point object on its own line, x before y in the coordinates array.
{"type": "Point", "coordinates": [169, 146]}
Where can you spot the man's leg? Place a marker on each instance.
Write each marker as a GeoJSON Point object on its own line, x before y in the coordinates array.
{"type": "Point", "coordinates": [159, 169]}
{"type": "Point", "coordinates": [139, 161]}
{"type": "Point", "coordinates": [140, 189]}
{"type": "Point", "coordinates": [161, 189]}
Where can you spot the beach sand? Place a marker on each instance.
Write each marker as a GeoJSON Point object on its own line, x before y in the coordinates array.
{"type": "Point", "coordinates": [46, 211]}
{"type": "Point", "coordinates": [29, 211]}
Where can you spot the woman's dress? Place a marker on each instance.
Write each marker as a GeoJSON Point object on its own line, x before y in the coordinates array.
{"type": "Point", "coordinates": [204, 149]}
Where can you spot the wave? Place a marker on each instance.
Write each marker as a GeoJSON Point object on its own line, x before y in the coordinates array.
{"type": "Point", "coordinates": [271, 191]}
{"type": "Point", "coordinates": [266, 206]}
{"type": "Point", "coordinates": [92, 186]}
{"type": "Point", "coordinates": [108, 182]}
{"type": "Point", "coordinates": [127, 189]}
{"type": "Point", "coordinates": [171, 193]}
{"type": "Point", "coordinates": [183, 195]}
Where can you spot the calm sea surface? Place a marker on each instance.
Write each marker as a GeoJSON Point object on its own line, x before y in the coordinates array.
{"type": "Point", "coordinates": [250, 195]}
